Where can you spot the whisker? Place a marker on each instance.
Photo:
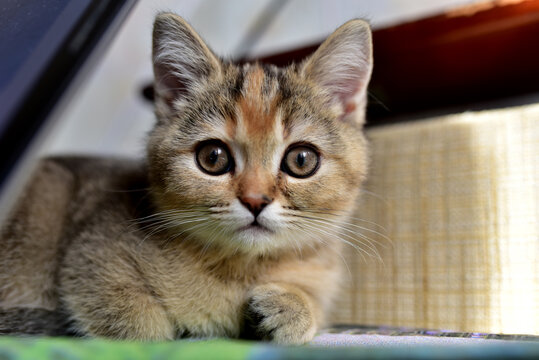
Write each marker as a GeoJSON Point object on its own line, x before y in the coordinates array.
{"type": "Point", "coordinates": [198, 227]}
{"type": "Point", "coordinates": [171, 225]}
{"type": "Point", "coordinates": [189, 229]}
{"type": "Point", "coordinates": [335, 213]}
{"type": "Point", "coordinates": [168, 218]}
{"type": "Point", "coordinates": [288, 236]}
{"type": "Point", "coordinates": [211, 238]}
{"type": "Point", "coordinates": [355, 246]}
{"type": "Point", "coordinates": [298, 227]}
{"type": "Point", "coordinates": [343, 226]}
{"type": "Point", "coordinates": [369, 245]}
{"type": "Point", "coordinates": [161, 223]}
{"type": "Point", "coordinates": [340, 222]}
{"type": "Point", "coordinates": [165, 213]}
{"type": "Point", "coordinates": [376, 196]}
{"type": "Point", "coordinates": [297, 246]}
{"type": "Point", "coordinates": [158, 224]}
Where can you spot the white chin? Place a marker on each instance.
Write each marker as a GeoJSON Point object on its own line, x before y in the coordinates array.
{"type": "Point", "coordinates": [255, 231]}
{"type": "Point", "coordinates": [256, 237]}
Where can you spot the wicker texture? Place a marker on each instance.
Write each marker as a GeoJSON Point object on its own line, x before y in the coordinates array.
{"type": "Point", "coordinates": [459, 198]}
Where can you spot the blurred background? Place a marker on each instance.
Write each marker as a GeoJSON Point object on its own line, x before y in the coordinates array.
{"type": "Point", "coordinates": [109, 116]}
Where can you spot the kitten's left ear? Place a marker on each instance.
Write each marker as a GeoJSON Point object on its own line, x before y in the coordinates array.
{"type": "Point", "coordinates": [181, 60]}
{"type": "Point", "coordinates": [342, 66]}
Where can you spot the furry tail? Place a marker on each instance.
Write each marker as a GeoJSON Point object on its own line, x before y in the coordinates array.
{"type": "Point", "coordinates": [32, 321]}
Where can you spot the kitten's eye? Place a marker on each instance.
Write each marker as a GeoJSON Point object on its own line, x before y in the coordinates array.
{"type": "Point", "coordinates": [300, 161]}
{"type": "Point", "coordinates": [213, 157]}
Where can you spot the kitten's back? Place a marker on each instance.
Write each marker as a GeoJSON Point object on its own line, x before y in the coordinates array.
{"type": "Point", "coordinates": [62, 193]}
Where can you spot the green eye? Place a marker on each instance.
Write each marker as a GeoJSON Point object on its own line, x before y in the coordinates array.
{"type": "Point", "coordinates": [300, 161]}
{"type": "Point", "coordinates": [213, 157]}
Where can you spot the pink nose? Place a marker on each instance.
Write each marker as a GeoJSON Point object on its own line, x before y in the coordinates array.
{"type": "Point", "coordinates": [255, 203]}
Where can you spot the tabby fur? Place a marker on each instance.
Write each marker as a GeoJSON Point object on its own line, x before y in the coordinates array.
{"type": "Point", "coordinates": [158, 249]}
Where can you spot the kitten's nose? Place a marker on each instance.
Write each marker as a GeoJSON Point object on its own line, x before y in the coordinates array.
{"type": "Point", "coordinates": [255, 203]}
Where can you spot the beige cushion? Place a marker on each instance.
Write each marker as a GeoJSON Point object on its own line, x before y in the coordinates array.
{"type": "Point", "coordinates": [459, 198]}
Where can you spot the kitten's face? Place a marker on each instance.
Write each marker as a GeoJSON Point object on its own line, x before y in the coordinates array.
{"type": "Point", "coordinates": [253, 158]}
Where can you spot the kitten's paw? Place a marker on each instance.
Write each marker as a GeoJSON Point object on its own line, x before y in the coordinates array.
{"type": "Point", "coordinates": [279, 314]}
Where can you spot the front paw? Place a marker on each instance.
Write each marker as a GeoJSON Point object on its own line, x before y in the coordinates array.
{"type": "Point", "coordinates": [282, 315]}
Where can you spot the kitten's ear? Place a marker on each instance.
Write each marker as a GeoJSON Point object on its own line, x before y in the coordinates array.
{"type": "Point", "coordinates": [342, 66]}
{"type": "Point", "coordinates": [181, 59]}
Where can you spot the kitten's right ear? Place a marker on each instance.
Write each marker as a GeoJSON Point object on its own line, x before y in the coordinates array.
{"type": "Point", "coordinates": [342, 67]}
{"type": "Point", "coordinates": [181, 59]}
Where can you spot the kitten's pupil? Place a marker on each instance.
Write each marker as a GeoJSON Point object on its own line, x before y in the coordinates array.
{"type": "Point", "coordinates": [300, 159]}
{"type": "Point", "coordinates": [214, 155]}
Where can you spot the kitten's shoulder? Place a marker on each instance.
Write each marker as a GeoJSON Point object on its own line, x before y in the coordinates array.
{"type": "Point", "coordinates": [59, 182]}
{"type": "Point", "coordinates": [100, 180]}
{"type": "Point", "coordinates": [93, 166]}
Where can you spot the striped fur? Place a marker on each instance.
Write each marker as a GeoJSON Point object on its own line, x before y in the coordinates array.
{"type": "Point", "coordinates": [162, 250]}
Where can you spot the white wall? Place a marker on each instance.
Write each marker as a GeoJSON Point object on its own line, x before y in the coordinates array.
{"type": "Point", "coordinates": [108, 116]}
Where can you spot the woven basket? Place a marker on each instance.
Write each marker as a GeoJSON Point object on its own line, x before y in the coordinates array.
{"type": "Point", "coordinates": [458, 196]}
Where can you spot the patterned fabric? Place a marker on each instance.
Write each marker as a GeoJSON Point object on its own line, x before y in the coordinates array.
{"type": "Point", "coordinates": [402, 331]}
{"type": "Point", "coordinates": [75, 349]}
{"type": "Point", "coordinates": [458, 196]}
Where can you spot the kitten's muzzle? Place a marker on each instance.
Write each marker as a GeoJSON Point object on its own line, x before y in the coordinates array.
{"type": "Point", "coordinates": [255, 203]}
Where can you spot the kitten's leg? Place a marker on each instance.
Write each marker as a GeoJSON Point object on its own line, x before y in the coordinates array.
{"type": "Point", "coordinates": [29, 321]}
{"type": "Point", "coordinates": [30, 238]}
{"type": "Point", "coordinates": [131, 316]}
{"type": "Point", "coordinates": [282, 313]}
{"type": "Point", "coordinates": [108, 295]}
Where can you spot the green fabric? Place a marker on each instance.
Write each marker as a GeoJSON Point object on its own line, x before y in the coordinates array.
{"type": "Point", "coordinates": [12, 348]}
{"type": "Point", "coordinates": [36, 348]}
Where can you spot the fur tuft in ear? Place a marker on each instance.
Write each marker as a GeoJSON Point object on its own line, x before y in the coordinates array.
{"type": "Point", "coordinates": [181, 59]}
{"type": "Point", "coordinates": [342, 66]}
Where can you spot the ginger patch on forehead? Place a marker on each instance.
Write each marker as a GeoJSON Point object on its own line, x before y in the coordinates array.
{"type": "Point", "coordinates": [257, 109]}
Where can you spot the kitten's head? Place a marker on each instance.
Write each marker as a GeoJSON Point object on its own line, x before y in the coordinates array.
{"type": "Point", "coordinates": [257, 158]}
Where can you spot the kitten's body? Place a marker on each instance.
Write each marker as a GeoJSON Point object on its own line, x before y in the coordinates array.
{"type": "Point", "coordinates": [166, 286]}
{"type": "Point", "coordinates": [158, 251]}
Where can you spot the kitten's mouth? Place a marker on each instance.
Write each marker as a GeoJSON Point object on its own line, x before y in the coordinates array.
{"type": "Point", "coordinates": [256, 226]}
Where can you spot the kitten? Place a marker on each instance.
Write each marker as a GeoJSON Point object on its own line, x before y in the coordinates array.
{"type": "Point", "coordinates": [230, 226]}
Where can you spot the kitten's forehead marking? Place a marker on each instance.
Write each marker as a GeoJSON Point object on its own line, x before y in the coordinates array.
{"type": "Point", "coordinates": [257, 129]}
{"type": "Point", "coordinates": [257, 105]}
